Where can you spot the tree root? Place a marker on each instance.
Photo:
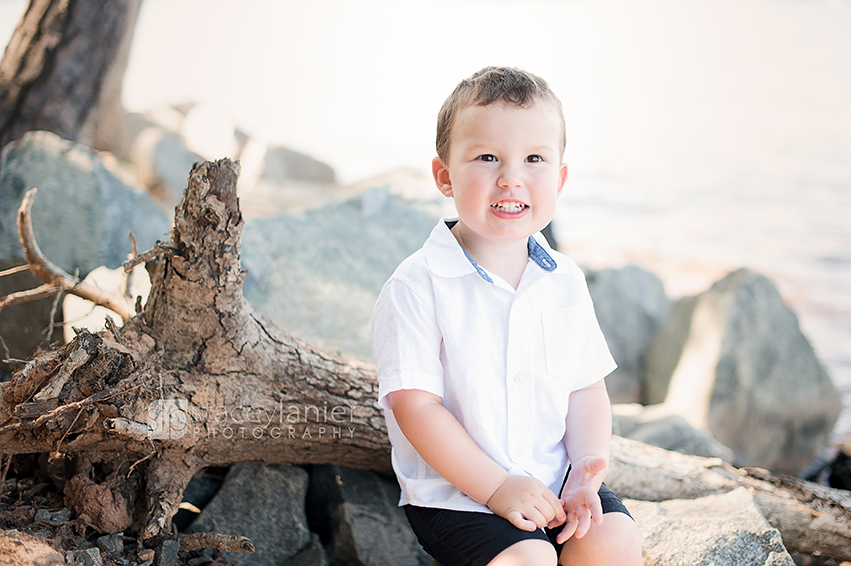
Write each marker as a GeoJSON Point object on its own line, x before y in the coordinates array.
{"type": "Point", "coordinates": [55, 278]}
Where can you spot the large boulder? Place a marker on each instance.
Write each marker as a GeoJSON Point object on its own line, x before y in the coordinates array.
{"type": "Point", "coordinates": [318, 273]}
{"type": "Point", "coordinates": [716, 529]}
{"type": "Point", "coordinates": [266, 504]}
{"type": "Point", "coordinates": [162, 163]}
{"type": "Point", "coordinates": [356, 512]}
{"type": "Point", "coordinates": [631, 306]}
{"type": "Point", "coordinates": [82, 212]}
{"type": "Point", "coordinates": [81, 216]}
{"type": "Point", "coordinates": [671, 432]}
{"type": "Point", "coordinates": [734, 360]}
{"type": "Point", "coordinates": [277, 165]}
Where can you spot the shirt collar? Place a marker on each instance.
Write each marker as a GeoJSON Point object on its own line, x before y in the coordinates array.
{"type": "Point", "coordinates": [447, 258]}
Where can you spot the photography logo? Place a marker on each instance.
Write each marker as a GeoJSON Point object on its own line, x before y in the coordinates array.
{"type": "Point", "coordinates": [168, 418]}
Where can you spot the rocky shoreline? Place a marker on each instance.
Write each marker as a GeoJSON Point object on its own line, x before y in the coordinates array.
{"type": "Point", "coordinates": [725, 374]}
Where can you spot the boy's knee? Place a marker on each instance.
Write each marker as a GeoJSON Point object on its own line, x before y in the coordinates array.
{"type": "Point", "coordinates": [526, 553]}
{"type": "Point", "coordinates": [614, 541]}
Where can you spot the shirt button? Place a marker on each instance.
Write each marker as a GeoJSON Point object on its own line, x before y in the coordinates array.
{"type": "Point", "coordinates": [520, 378]}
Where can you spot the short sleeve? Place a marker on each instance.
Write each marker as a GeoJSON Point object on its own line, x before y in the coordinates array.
{"type": "Point", "coordinates": [574, 343]}
{"type": "Point", "coordinates": [596, 361]}
{"type": "Point", "coordinates": [406, 341]}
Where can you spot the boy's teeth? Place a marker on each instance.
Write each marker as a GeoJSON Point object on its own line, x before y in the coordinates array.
{"type": "Point", "coordinates": [509, 206]}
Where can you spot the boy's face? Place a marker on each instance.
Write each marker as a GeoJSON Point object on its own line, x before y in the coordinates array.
{"type": "Point", "coordinates": [504, 171]}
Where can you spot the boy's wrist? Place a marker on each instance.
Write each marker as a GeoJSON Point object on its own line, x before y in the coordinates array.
{"type": "Point", "coordinates": [489, 487]}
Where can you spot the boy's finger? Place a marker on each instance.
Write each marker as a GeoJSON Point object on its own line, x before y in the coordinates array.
{"type": "Point", "coordinates": [555, 522]}
{"type": "Point", "coordinates": [596, 506]}
{"type": "Point", "coordinates": [584, 522]}
{"type": "Point", "coordinates": [537, 517]}
{"type": "Point", "coordinates": [516, 519]}
{"type": "Point", "coordinates": [568, 530]}
{"type": "Point", "coordinates": [557, 507]}
{"type": "Point", "coordinates": [546, 510]}
{"type": "Point", "coordinates": [595, 466]}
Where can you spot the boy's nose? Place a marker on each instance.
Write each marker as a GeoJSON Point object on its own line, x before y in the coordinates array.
{"type": "Point", "coordinates": [510, 177]}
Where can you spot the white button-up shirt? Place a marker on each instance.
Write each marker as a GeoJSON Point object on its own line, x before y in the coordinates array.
{"type": "Point", "coordinates": [504, 361]}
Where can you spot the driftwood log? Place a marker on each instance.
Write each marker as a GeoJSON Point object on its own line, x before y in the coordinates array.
{"type": "Point", "coordinates": [812, 519]}
{"type": "Point", "coordinates": [197, 379]}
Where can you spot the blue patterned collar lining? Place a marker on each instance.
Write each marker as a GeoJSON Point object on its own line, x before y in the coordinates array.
{"type": "Point", "coordinates": [537, 253]}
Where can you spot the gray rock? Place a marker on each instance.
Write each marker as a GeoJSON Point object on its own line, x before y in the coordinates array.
{"type": "Point", "coordinates": [200, 491]}
{"type": "Point", "coordinates": [134, 124]}
{"type": "Point", "coordinates": [42, 515]}
{"type": "Point", "coordinates": [318, 274]}
{"type": "Point", "coordinates": [737, 364]}
{"type": "Point", "coordinates": [671, 432]}
{"type": "Point", "coordinates": [264, 503]}
{"type": "Point", "coordinates": [111, 544]}
{"type": "Point", "coordinates": [162, 163]}
{"type": "Point", "coordinates": [82, 212]}
{"type": "Point", "coordinates": [63, 514]}
{"type": "Point", "coordinates": [311, 555]}
{"type": "Point", "coordinates": [631, 306]}
{"type": "Point", "coordinates": [167, 553]}
{"type": "Point", "coordinates": [664, 352]}
{"type": "Point", "coordinates": [357, 512]}
{"type": "Point", "coordinates": [281, 164]}
{"type": "Point", "coordinates": [711, 531]}
{"type": "Point", "coordinates": [89, 557]}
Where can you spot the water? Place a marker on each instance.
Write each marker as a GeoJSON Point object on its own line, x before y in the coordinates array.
{"type": "Point", "coordinates": [703, 135]}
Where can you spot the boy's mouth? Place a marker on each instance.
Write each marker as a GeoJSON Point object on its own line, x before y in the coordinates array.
{"type": "Point", "coordinates": [509, 206]}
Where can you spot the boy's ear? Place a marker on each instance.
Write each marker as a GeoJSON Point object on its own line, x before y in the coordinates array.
{"type": "Point", "coordinates": [562, 177]}
{"type": "Point", "coordinates": [441, 177]}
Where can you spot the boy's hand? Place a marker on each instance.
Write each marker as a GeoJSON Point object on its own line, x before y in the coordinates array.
{"type": "Point", "coordinates": [580, 499]}
{"type": "Point", "coordinates": [526, 503]}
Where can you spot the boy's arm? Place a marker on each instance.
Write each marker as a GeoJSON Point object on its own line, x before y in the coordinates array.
{"type": "Point", "coordinates": [443, 443]}
{"type": "Point", "coordinates": [589, 423]}
{"type": "Point", "coordinates": [587, 438]}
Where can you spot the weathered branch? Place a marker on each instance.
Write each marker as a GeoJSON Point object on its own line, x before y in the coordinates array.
{"type": "Point", "coordinates": [55, 278]}
{"type": "Point", "coordinates": [813, 520]}
{"type": "Point", "coordinates": [21, 297]}
{"type": "Point", "coordinates": [222, 543]}
{"type": "Point", "coordinates": [160, 248]}
{"type": "Point", "coordinates": [14, 270]}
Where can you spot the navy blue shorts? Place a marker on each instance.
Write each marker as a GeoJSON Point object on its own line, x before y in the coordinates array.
{"type": "Point", "coordinates": [468, 538]}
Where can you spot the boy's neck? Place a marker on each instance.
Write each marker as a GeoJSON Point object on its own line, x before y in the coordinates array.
{"type": "Point", "coordinates": [507, 260]}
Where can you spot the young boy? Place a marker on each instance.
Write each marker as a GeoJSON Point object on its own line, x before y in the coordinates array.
{"type": "Point", "coordinates": [490, 359]}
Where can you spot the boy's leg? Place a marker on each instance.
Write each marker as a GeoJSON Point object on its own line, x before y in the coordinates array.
{"type": "Point", "coordinates": [526, 553]}
{"type": "Point", "coordinates": [614, 541]}
{"type": "Point", "coordinates": [460, 538]}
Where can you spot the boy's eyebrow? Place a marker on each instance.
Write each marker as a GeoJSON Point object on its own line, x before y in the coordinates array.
{"type": "Point", "coordinates": [534, 148]}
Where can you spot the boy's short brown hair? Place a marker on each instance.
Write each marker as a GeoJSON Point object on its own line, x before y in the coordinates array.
{"type": "Point", "coordinates": [492, 84]}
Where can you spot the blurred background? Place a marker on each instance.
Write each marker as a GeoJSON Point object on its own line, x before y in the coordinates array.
{"type": "Point", "coordinates": [702, 136]}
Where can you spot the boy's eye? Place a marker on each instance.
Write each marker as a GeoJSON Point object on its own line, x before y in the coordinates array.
{"type": "Point", "coordinates": [534, 159]}
{"type": "Point", "coordinates": [487, 157]}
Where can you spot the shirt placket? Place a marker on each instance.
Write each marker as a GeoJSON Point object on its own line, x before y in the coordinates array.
{"type": "Point", "coordinates": [519, 382]}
